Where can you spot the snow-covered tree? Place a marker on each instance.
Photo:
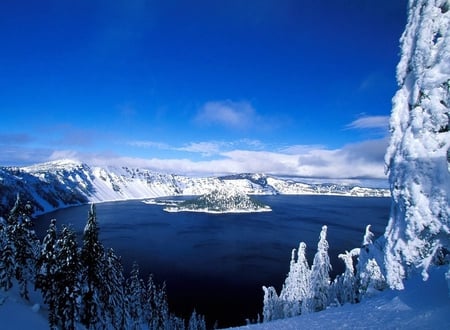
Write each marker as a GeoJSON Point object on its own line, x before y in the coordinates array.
{"type": "Point", "coordinates": [345, 285]}
{"type": "Point", "coordinates": [93, 264]}
{"type": "Point", "coordinates": [297, 283]}
{"type": "Point", "coordinates": [25, 244]}
{"type": "Point", "coordinates": [196, 322]}
{"type": "Point", "coordinates": [7, 252]}
{"type": "Point", "coordinates": [369, 275]}
{"type": "Point", "coordinates": [318, 298]}
{"type": "Point", "coordinates": [175, 323]}
{"type": "Point", "coordinates": [156, 306]}
{"type": "Point", "coordinates": [113, 296]}
{"type": "Point", "coordinates": [417, 157]}
{"type": "Point", "coordinates": [135, 290]}
{"type": "Point", "coordinates": [46, 274]}
{"type": "Point", "coordinates": [368, 237]}
{"type": "Point", "coordinates": [273, 308]}
{"type": "Point", "coordinates": [68, 285]}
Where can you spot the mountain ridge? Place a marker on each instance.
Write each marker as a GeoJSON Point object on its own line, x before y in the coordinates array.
{"type": "Point", "coordinates": [53, 185]}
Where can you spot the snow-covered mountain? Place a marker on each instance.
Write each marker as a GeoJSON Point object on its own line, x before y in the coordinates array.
{"type": "Point", "coordinates": [62, 183]}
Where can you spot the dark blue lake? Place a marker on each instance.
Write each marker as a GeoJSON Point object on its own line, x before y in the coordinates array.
{"type": "Point", "coordinates": [217, 263]}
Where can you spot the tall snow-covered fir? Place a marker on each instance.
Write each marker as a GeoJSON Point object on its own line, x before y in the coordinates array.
{"type": "Point", "coordinates": [418, 155]}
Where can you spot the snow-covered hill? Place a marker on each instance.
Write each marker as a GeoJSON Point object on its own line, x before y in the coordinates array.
{"type": "Point", "coordinates": [63, 183]}
{"type": "Point", "coordinates": [422, 305]}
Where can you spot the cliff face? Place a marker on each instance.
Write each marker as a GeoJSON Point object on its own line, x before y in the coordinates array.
{"type": "Point", "coordinates": [418, 155]}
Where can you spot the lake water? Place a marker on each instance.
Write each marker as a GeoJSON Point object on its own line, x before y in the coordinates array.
{"type": "Point", "coordinates": [218, 263]}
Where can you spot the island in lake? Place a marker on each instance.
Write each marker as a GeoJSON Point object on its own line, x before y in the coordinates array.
{"type": "Point", "coordinates": [216, 201]}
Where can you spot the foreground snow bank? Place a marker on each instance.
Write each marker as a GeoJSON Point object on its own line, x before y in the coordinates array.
{"type": "Point", "coordinates": [17, 314]}
{"type": "Point", "coordinates": [422, 305]}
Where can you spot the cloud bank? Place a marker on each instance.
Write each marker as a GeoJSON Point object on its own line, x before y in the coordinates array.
{"type": "Point", "coordinates": [357, 160]}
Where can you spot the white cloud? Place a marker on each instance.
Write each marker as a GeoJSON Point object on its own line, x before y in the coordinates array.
{"type": "Point", "coordinates": [227, 113]}
{"type": "Point", "coordinates": [65, 154]}
{"type": "Point", "coordinates": [378, 122]}
{"type": "Point", "coordinates": [358, 160]}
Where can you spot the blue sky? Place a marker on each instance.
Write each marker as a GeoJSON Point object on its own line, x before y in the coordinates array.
{"type": "Point", "coordinates": [200, 87]}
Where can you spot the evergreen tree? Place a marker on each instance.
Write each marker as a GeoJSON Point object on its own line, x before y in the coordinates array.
{"type": "Point", "coordinates": [7, 252]}
{"type": "Point", "coordinates": [196, 322]}
{"type": "Point", "coordinates": [417, 156]}
{"type": "Point", "coordinates": [135, 298]}
{"type": "Point", "coordinates": [369, 275]}
{"type": "Point", "coordinates": [175, 323]}
{"type": "Point", "coordinates": [26, 245]}
{"type": "Point", "coordinates": [273, 308]}
{"type": "Point", "coordinates": [320, 279]}
{"type": "Point", "coordinates": [46, 277]}
{"type": "Point", "coordinates": [93, 262]}
{"type": "Point", "coordinates": [113, 297]}
{"type": "Point", "coordinates": [297, 283]}
{"type": "Point", "coordinates": [156, 306]}
{"type": "Point", "coordinates": [345, 285]}
{"type": "Point", "coordinates": [68, 279]}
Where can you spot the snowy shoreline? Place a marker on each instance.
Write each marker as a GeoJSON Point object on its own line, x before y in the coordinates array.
{"type": "Point", "coordinates": [176, 210]}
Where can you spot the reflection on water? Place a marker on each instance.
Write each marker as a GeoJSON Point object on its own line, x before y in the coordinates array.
{"type": "Point", "coordinates": [217, 263]}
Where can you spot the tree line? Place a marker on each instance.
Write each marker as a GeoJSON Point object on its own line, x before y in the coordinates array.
{"type": "Point", "coordinates": [81, 284]}
{"type": "Point", "coordinates": [310, 289]}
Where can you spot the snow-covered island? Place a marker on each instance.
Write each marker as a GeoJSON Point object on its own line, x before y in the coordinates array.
{"type": "Point", "coordinates": [220, 201]}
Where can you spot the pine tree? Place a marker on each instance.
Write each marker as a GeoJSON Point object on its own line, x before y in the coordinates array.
{"type": "Point", "coordinates": [46, 277]}
{"type": "Point", "coordinates": [320, 279]}
{"type": "Point", "coordinates": [135, 298]}
{"type": "Point", "coordinates": [68, 279]}
{"type": "Point", "coordinates": [196, 322]}
{"type": "Point", "coordinates": [7, 252]}
{"type": "Point", "coordinates": [113, 297]}
{"type": "Point", "coordinates": [273, 308]}
{"type": "Point", "coordinates": [156, 306]}
{"type": "Point", "coordinates": [369, 275]}
{"type": "Point", "coordinates": [345, 285]}
{"type": "Point", "coordinates": [93, 262]}
{"type": "Point", "coordinates": [175, 323]}
{"type": "Point", "coordinates": [417, 156]}
{"type": "Point", "coordinates": [297, 283]}
{"type": "Point", "coordinates": [26, 245]}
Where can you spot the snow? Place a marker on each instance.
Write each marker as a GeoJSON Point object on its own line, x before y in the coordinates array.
{"type": "Point", "coordinates": [17, 314]}
{"type": "Point", "coordinates": [422, 305]}
{"type": "Point", "coordinates": [206, 210]}
{"type": "Point", "coordinates": [419, 224]}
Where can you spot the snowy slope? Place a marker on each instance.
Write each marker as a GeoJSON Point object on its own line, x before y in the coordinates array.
{"type": "Point", "coordinates": [62, 183]}
{"type": "Point", "coordinates": [422, 305]}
